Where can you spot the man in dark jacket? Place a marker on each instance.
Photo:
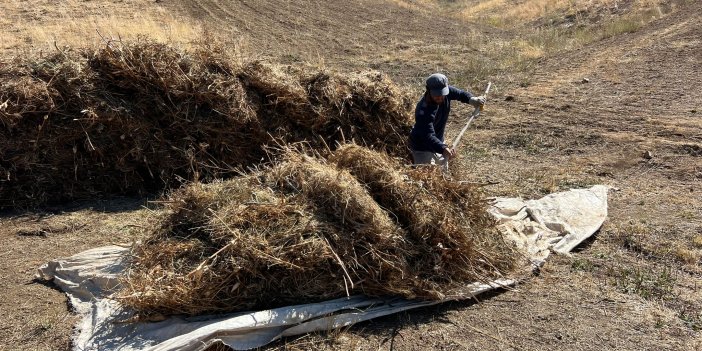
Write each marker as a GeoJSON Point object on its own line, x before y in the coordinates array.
{"type": "Point", "coordinates": [430, 115]}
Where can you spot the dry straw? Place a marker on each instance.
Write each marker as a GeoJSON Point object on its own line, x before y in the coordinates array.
{"type": "Point", "coordinates": [299, 226]}
{"type": "Point", "coordinates": [141, 117]}
{"type": "Point", "coordinates": [309, 228]}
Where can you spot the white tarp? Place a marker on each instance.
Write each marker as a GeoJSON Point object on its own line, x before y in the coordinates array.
{"type": "Point", "coordinates": [557, 222]}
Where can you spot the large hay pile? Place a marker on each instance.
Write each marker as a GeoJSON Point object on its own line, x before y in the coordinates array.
{"type": "Point", "coordinates": [309, 228]}
{"type": "Point", "coordinates": [142, 117]}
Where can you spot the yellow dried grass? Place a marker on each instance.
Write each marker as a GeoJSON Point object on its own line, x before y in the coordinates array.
{"type": "Point", "coordinates": [306, 229]}
{"type": "Point", "coordinates": [142, 116]}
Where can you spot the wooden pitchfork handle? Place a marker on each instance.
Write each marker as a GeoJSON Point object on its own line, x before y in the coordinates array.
{"type": "Point", "coordinates": [475, 113]}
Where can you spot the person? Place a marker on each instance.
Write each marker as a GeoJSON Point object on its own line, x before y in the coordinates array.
{"type": "Point", "coordinates": [431, 114]}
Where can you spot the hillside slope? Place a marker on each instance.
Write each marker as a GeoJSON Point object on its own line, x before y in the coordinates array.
{"type": "Point", "coordinates": [400, 38]}
{"type": "Point", "coordinates": [623, 111]}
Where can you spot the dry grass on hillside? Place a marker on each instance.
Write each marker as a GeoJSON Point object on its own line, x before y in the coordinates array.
{"type": "Point", "coordinates": [555, 132]}
{"type": "Point", "coordinates": [542, 28]}
{"type": "Point", "coordinates": [511, 13]}
{"type": "Point", "coordinates": [40, 25]}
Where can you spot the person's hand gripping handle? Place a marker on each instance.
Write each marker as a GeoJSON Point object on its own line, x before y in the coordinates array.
{"type": "Point", "coordinates": [478, 102]}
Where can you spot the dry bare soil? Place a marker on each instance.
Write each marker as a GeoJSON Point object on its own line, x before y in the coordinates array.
{"type": "Point", "coordinates": [623, 110]}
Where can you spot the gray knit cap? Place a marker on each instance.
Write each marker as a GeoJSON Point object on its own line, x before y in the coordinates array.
{"type": "Point", "coordinates": [437, 84]}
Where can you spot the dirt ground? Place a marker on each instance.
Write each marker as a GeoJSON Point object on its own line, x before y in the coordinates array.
{"type": "Point", "coordinates": [623, 111]}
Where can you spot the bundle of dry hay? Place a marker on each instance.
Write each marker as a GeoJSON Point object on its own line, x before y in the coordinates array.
{"type": "Point", "coordinates": [308, 229]}
{"type": "Point", "coordinates": [142, 117]}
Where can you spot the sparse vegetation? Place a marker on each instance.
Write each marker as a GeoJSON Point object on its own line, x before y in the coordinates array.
{"type": "Point", "coordinates": [688, 256]}
{"type": "Point", "coordinates": [526, 140]}
{"type": "Point", "coordinates": [692, 319]}
{"type": "Point", "coordinates": [544, 28]}
{"type": "Point", "coordinates": [631, 237]}
{"type": "Point", "coordinates": [697, 241]}
{"type": "Point", "coordinates": [646, 282]}
{"type": "Point", "coordinates": [61, 26]}
{"type": "Point", "coordinates": [582, 264]}
{"type": "Point", "coordinates": [578, 87]}
{"type": "Point", "coordinates": [641, 239]}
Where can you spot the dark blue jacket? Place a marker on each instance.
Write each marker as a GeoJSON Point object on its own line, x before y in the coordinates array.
{"type": "Point", "coordinates": [430, 121]}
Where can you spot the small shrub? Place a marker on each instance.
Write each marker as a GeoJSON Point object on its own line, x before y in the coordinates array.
{"type": "Point", "coordinates": [582, 264]}
{"type": "Point", "coordinates": [649, 284]}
